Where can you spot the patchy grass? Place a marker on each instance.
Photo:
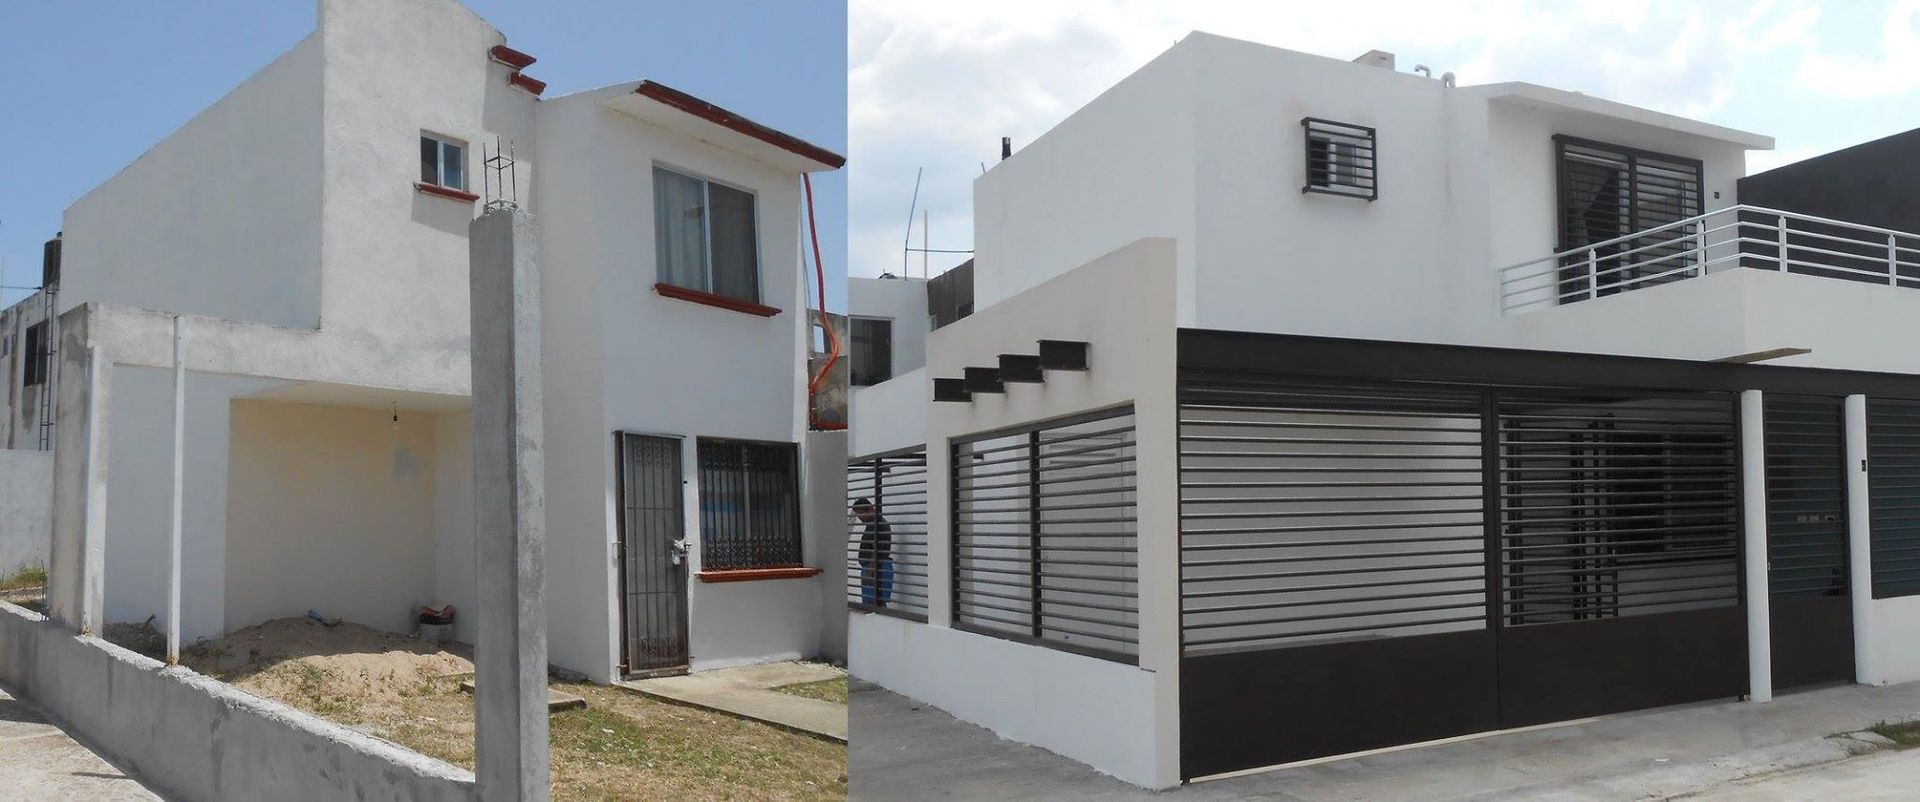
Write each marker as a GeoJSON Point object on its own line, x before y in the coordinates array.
{"type": "Point", "coordinates": [621, 746]}
{"type": "Point", "coordinates": [1904, 733]}
{"type": "Point", "coordinates": [31, 576]}
{"type": "Point", "coordinates": [826, 690]}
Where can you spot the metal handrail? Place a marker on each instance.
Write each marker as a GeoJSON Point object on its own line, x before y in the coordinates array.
{"type": "Point", "coordinates": [1699, 245]}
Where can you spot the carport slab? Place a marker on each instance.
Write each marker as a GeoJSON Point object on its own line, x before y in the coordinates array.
{"type": "Point", "coordinates": [748, 692]}
{"type": "Point", "coordinates": [905, 747]}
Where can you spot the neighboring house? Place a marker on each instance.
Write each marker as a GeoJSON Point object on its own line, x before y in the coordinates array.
{"type": "Point", "coordinates": [305, 238]}
{"type": "Point", "coordinates": [1312, 407]}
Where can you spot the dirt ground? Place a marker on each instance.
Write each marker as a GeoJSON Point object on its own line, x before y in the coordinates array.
{"type": "Point", "coordinates": [621, 746]}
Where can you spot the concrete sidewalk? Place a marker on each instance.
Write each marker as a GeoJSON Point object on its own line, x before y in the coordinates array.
{"type": "Point", "coordinates": [902, 749]}
{"type": "Point", "coordinates": [40, 761]}
{"type": "Point", "coordinates": [748, 692]}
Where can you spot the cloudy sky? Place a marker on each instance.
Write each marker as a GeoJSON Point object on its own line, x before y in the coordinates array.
{"type": "Point", "coordinates": [935, 85]}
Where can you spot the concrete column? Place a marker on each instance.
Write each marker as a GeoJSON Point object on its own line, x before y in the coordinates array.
{"type": "Point", "coordinates": [509, 482]}
{"type": "Point", "coordinates": [1860, 543]}
{"type": "Point", "coordinates": [1753, 508]}
{"type": "Point", "coordinates": [77, 556]}
{"type": "Point", "coordinates": [175, 508]}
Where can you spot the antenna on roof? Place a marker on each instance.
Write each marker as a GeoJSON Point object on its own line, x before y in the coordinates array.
{"type": "Point", "coordinates": [500, 176]}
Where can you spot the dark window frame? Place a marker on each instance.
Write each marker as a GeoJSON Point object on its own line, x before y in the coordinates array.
{"type": "Point", "coordinates": [745, 538]}
{"type": "Point", "coordinates": [1633, 214]}
{"type": "Point", "coordinates": [34, 352]}
{"type": "Point", "coordinates": [868, 375]}
{"type": "Point", "coordinates": [1341, 159]}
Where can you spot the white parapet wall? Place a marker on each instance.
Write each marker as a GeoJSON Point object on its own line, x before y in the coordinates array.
{"type": "Point", "coordinates": [26, 509]}
{"type": "Point", "coordinates": [191, 737]}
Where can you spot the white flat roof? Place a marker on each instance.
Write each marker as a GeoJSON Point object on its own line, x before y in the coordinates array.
{"type": "Point", "coordinates": [1545, 96]}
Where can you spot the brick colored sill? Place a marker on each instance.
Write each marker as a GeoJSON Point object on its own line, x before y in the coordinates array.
{"type": "Point", "coordinates": [709, 299]}
{"type": "Point", "coordinates": [752, 574]}
{"type": "Point", "coordinates": [445, 192]}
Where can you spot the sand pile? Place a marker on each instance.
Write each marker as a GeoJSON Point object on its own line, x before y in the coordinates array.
{"type": "Point", "coordinates": [293, 657]}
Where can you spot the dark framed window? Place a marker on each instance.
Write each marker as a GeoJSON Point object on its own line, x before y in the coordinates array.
{"type": "Point", "coordinates": [1045, 535]}
{"type": "Point", "coordinates": [1893, 460]}
{"type": "Point", "coordinates": [872, 350]}
{"type": "Point", "coordinates": [1607, 192]}
{"type": "Point", "coordinates": [35, 353]}
{"type": "Point", "coordinates": [706, 236]}
{"type": "Point", "coordinates": [443, 162]}
{"type": "Point", "coordinates": [749, 504]}
{"type": "Point", "coordinates": [1340, 159]}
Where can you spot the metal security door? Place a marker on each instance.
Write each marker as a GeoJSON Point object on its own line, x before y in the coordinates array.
{"type": "Point", "coordinates": [1807, 580]}
{"type": "Point", "coordinates": [652, 553]}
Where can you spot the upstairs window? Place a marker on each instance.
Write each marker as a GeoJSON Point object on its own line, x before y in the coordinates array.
{"type": "Point", "coordinates": [872, 350]}
{"type": "Point", "coordinates": [749, 505]}
{"type": "Point", "coordinates": [34, 350]}
{"type": "Point", "coordinates": [706, 236]}
{"type": "Point", "coordinates": [443, 162]}
{"type": "Point", "coordinates": [1340, 159]}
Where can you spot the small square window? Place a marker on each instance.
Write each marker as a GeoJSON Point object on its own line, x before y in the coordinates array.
{"type": "Point", "coordinates": [706, 236]}
{"type": "Point", "coordinates": [443, 162]}
{"type": "Point", "coordinates": [749, 504]}
{"type": "Point", "coordinates": [1340, 159]}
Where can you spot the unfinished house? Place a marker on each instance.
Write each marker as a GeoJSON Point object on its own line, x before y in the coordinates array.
{"type": "Point", "coordinates": [1312, 407]}
{"type": "Point", "coordinates": [298, 252]}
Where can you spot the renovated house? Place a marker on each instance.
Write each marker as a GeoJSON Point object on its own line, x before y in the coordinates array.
{"type": "Point", "coordinates": [1310, 407]}
{"type": "Point", "coordinates": [299, 251]}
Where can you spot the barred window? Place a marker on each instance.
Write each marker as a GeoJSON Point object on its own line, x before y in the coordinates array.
{"type": "Point", "coordinates": [749, 504]}
{"type": "Point", "coordinates": [1340, 159]}
{"type": "Point", "coordinates": [1045, 535]}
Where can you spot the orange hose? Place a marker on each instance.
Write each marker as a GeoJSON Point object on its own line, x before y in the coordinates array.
{"type": "Point", "coordinates": [820, 275]}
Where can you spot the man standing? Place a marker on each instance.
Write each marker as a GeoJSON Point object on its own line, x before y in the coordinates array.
{"type": "Point", "coordinates": [876, 555]}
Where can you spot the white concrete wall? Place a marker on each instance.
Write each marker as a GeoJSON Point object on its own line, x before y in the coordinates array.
{"type": "Point", "coordinates": [140, 466]}
{"type": "Point", "coordinates": [222, 217]}
{"type": "Point", "coordinates": [190, 737]}
{"type": "Point", "coordinates": [26, 509]}
{"type": "Point", "coordinates": [329, 509]}
{"type": "Point", "coordinates": [890, 415]}
{"type": "Point", "coordinates": [1894, 652]}
{"type": "Point", "coordinates": [1132, 362]}
{"type": "Point", "coordinates": [20, 415]}
{"type": "Point", "coordinates": [902, 301]}
{"type": "Point", "coordinates": [619, 357]}
{"type": "Point", "coordinates": [824, 504]}
{"type": "Point", "coordinates": [453, 525]}
{"type": "Point", "coordinates": [395, 266]}
{"type": "Point", "coordinates": [1095, 711]}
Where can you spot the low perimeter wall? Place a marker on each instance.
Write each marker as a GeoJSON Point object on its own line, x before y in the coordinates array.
{"type": "Point", "coordinates": [190, 737]}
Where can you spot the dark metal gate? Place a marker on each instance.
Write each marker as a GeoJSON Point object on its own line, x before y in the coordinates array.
{"type": "Point", "coordinates": [1807, 574]}
{"type": "Point", "coordinates": [1367, 564]}
{"type": "Point", "coordinates": [651, 546]}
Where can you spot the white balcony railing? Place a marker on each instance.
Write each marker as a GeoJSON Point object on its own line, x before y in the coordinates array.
{"type": "Point", "coordinates": [1737, 236]}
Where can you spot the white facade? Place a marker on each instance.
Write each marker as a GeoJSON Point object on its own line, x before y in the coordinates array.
{"type": "Point", "coordinates": [322, 301]}
{"type": "Point", "coordinates": [902, 302]}
{"type": "Point", "coordinates": [1174, 201]}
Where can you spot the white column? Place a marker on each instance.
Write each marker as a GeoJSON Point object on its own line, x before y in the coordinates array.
{"type": "Point", "coordinates": [1753, 507]}
{"type": "Point", "coordinates": [1859, 543]}
{"type": "Point", "coordinates": [175, 512]}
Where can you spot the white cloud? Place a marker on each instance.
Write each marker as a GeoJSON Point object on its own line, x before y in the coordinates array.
{"type": "Point", "coordinates": [1895, 70]}
{"type": "Point", "coordinates": [936, 85]}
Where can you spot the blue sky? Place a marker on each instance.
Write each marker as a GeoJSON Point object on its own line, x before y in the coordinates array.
{"type": "Point", "coordinates": [89, 86]}
{"type": "Point", "coordinates": [935, 85]}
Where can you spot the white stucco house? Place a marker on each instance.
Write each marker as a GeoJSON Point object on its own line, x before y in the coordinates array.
{"type": "Point", "coordinates": [1310, 407]}
{"type": "Point", "coordinates": [304, 242]}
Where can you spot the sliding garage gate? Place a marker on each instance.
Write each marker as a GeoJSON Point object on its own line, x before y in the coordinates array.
{"type": "Point", "coordinates": [1367, 564]}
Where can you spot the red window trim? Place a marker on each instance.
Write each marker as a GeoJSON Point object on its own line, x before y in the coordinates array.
{"type": "Point", "coordinates": [753, 574]}
{"type": "Point", "coordinates": [445, 192]}
{"type": "Point", "coordinates": [677, 292]}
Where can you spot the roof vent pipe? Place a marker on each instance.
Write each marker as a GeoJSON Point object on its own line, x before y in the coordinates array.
{"type": "Point", "coordinates": [1423, 70]}
{"type": "Point", "coordinates": [1006, 147]}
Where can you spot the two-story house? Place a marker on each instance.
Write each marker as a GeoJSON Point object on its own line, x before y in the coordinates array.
{"type": "Point", "coordinates": [1310, 407]}
{"type": "Point", "coordinates": [299, 249]}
